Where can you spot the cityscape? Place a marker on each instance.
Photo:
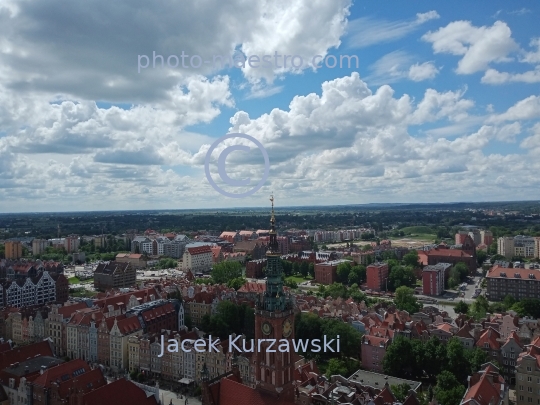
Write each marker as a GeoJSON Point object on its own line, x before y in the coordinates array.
{"type": "Point", "coordinates": [301, 202]}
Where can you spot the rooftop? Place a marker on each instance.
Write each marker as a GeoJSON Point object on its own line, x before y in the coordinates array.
{"type": "Point", "coordinates": [377, 380]}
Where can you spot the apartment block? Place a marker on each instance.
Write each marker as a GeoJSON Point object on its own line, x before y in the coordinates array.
{"type": "Point", "coordinates": [433, 278]}
{"type": "Point", "coordinates": [377, 276]}
{"type": "Point", "coordinates": [519, 283]}
{"type": "Point", "coordinates": [198, 259]}
{"type": "Point", "coordinates": [528, 375]}
{"type": "Point", "coordinates": [13, 250]}
{"type": "Point", "coordinates": [39, 246]}
{"type": "Point", "coordinates": [505, 246]}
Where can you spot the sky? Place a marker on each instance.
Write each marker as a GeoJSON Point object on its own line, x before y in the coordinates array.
{"type": "Point", "coordinates": [440, 102]}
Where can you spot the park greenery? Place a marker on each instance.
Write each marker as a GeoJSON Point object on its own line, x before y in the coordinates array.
{"type": "Point", "coordinates": [310, 326]}
{"type": "Point", "coordinates": [230, 317]}
{"type": "Point", "coordinates": [414, 359]}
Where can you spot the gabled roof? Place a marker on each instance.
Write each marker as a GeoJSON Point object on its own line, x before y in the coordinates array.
{"type": "Point", "coordinates": [119, 392]}
{"type": "Point", "coordinates": [62, 372]}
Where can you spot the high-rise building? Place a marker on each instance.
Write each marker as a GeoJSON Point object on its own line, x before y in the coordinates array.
{"type": "Point", "coordinates": [486, 237]}
{"type": "Point", "coordinates": [39, 246]}
{"type": "Point", "coordinates": [505, 246]}
{"type": "Point", "coordinates": [13, 250]}
{"type": "Point", "coordinates": [377, 276]}
{"type": "Point", "coordinates": [528, 374]}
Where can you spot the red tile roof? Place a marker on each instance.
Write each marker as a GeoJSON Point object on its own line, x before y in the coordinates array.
{"type": "Point", "coordinates": [25, 352]}
{"type": "Point", "coordinates": [490, 337]}
{"type": "Point", "coordinates": [485, 388]}
{"type": "Point", "coordinates": [119, 392]}
{"type": "Point", "coordinates": [511, 273]}
{"type": "Point", "coordinates": [55, 373]}
{"type": "Point", "coordinates": [231, 392]}
{"type": "Point", "coordinates": [199, 250]}
{"type": "Point", "coordinates": [129, 325]}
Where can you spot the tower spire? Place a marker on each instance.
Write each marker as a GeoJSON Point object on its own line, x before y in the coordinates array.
{"type": "Point", "coordinates": [273, 245]}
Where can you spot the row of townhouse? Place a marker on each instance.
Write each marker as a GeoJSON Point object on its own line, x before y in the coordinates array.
{"type": "Point", "coordinates": [31, 375]}
{"type": "Point", "coordinates": [339, 235]}
{"type": "Point", "coordinates": [23, 268]}
{"type": "Point", "coordinates": [43, 289]}
{"type": "Point", "coordinates": [97, 333]}
{"type": "Point", "coordinates": [178, 360]}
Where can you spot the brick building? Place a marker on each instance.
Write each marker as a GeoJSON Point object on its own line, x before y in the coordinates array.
{"type": "Point", "coordinates": [377, 276]}
{"type": "Point", "coordinates": [114, 275]}
{"type": "Point", "coordinates": [519, 283]}
{"type": "Point", "coordinates": [326, 272]}
{"type": "Point", "coordinates": [433, 278]}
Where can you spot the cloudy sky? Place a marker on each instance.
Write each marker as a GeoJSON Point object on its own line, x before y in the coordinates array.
{"type": "Point", "coordinates": [442, 102]}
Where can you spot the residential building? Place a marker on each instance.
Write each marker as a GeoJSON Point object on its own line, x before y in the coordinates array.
{"type": "Point", "coordinates": [41, 289]}
{"type": "Point", "coordinates": [377, 276]}
{"type": "Point", "coordinates": [510, 351]}
{"type": "Point", "coordinates": [433, 278]}
{"type": "Point", "coordinates": [519, 283]}
{"type": "Point", "coordinates": [486, 237]}
{"type": "Point", "coordinates": [39, 246]}
{"type": "Point", "coordinates": [537, 247]}
{"type": "Point", "coordinates": [528, 375]}
{"type": "Point", "coordinates": [486, 387]}
{"type": "Point", "coordinates": [136, 260]}
{"type": "Point", "coordinates": [72, 243]}
{"type": "Point", "coordinates": [444, 254]}
{"type": "Point", "coordinates": [505, 246]}
{"type": "Point", "coordinates": [198, 259]}
{"type": "Point", "coordinates": [13, 250]}
{"type": "Point", "coordinates": [373, 350]}
{"type": "Point", "coordinates": [326, 272]}
{"type": "Point", "coordinates": [114, 275]}
{"type": "Point", "coordinates": [524, 246]}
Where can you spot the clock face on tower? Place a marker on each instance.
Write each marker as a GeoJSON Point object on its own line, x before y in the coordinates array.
{"type": "Point", "coordinates": [266, 328]}
{"type": "Point", "coordinates": [287, 328]}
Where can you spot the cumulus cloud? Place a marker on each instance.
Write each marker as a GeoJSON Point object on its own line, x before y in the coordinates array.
{"type": "Point", "coordinates": [419, 72]}
{"type": "Point", "coordinates": [478, 46]}
{"type": "Point", "coordinates": [92, 53]}
{"type": "Point", "coordinates": [493, 76]}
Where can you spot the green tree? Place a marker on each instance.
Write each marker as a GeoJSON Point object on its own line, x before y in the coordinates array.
{"type": "Point", "coordinates": [311, 269]}
{"type": "Point", "coordinates": [406, 301]}
{"type": "Point", "coordinates": [296, 268]}
{"type": "Point", "coordinates": [343, 271]}
{"type": "Point", "coordinates": [479, 307]}
{"type": "Point", "coordinates": [236, 283]}
{"type": "Point", "coordinates": [400, 391]}
{"type": "Point", "coordinates": [336, 290]}
{"type": "Point", "coordinates": [449, 390]}
{"type": "Point", "coordinates": [528, 307]}
{"type": "Point", "coordinates": [462, 307]}
{"type": "Point", "coordinates": [225, 271]}
{"type": "Point", "coordinates": [401, 276]}
{"type": "Point", "coordinates": [304, 268]}
{"type": "Point", "coordinates": [336, 366]}
{"type": "Point", "coordinates": [349, 338]}
{"type": "Point", "coordinates": [456, 360]}
{"type": "Point", "coordinates": [476, 357]}
{"type": "Point", "coordinates": [481, 256]}
{"type": "Point", "coordinates": [411, 259]}
{"type": "Point", "coordinates": [399, 358]}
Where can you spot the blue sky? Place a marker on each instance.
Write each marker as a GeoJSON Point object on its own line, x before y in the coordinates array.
{"type": "Point", "coordinates": [443, 107]}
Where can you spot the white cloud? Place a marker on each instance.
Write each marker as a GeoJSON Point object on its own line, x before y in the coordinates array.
{"type": "Point", "coordinates": [533, 56]}
{"type": "Point", "coordinates": [526, 109]}
{"type": "Point", "coordinates": [366, 31]}
{"type": "Point", "coordinates": [396, 66]}
{"type": "Point", "coordinates": [478, 46]}
{"type": "Point", "coordinates": [419, 72]}
{"type": "Point", "coordinates": [492, 76]}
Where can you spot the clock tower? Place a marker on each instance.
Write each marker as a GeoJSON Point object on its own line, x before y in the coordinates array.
{"type": "Point", "coordinates": [274, 319]}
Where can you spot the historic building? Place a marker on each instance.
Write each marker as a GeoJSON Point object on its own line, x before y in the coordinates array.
{"type": "Point", "coordinates": [274, 319]}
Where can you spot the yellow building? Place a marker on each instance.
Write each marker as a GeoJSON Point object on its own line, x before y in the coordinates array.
{"type": "Point", "coordinates": [13, 250]}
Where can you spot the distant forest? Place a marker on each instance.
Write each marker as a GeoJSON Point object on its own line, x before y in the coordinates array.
{"type": "Point", "coordinates": [386, 219]}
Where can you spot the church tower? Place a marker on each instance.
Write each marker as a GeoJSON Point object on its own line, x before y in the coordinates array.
{"type": "Point", "coordinates": [274, 319]}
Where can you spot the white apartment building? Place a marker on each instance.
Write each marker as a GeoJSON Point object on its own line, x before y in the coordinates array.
{"type": "Point", "coordinates": [198, 259]}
